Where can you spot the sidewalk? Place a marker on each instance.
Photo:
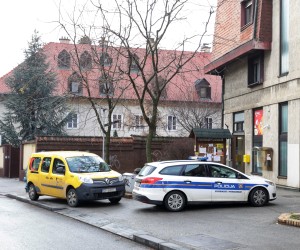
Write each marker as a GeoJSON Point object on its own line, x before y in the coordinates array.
{"type": "Point", "coordinates": [15, 189]}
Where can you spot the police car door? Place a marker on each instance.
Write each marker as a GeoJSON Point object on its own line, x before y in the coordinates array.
{"type": "Point", "coordinates": [226, 186]}
{"type": "Point", "coordinates": [197, 182]}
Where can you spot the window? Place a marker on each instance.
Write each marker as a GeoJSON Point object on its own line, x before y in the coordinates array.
{"type": "Point", "coordinates": [117, 121]}
{"type": "Point", "coordinates": [174, 170]}
{"type": "Point", "coordinates": [72, 121]}
{"type": "Point", "coordinates": [246, 12]}
{"type": "Point", "coordinates": [63, 60]}
{"type": "Point", "coordinates": [283, 135]}
{"type": "Point", "coordinates": [171, 123]}
{"type": "Point", "coordinates": [34, 163]}
{"type": "Point", "coordinates": [284, 37]}
{"type": "Point", "coordinates": [46, 164]}
{"type": "Point", "coordinates": [58, 167]}
{"type": "Point", "coordinates": [139, 122]}
{"type": "Point", "coordinates": [106, 87]}
{"type": "Point", "coordinates": [85, 61]}
{"type": "Point", "coordinates": [74, 83]}
{"type": "Point", "coordinates": [203, 89]}
{"type": "Point", "coordinates": [238, 122]}
{"type": "Point", "coordinates": [208, 122]}
{"type": "Point", "coordinates": [105, 59]}
{"type": "Point", "coordinates": [255, 70]}
{"type": "Point", "coordinates": [221, 172]}
{"type": "Point", "coordinates": [133, 63]}
{"type": "Point", "coordinates": [195, 170]}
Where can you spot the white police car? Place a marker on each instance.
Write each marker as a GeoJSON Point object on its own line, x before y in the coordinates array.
{"type": "Point", "coordinates": [175, 184]}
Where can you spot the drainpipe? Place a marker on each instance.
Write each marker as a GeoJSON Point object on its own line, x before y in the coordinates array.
{"type": "Point", "coordinates": [255, 19]}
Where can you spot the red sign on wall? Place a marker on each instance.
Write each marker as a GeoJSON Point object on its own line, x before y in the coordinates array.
{"type": "Point", "coordinates": [258, 122]}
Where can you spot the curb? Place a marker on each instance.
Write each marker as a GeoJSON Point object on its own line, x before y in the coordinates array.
{"type": "Point", "coordinates": [137, 236]}
{"type": "Point", "coordinates": [286, 220]}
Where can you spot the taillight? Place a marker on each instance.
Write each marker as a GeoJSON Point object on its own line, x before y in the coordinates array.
{"type": "Point", "coordinates": [150, 180]}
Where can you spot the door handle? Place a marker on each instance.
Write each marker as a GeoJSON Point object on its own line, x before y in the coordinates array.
{"type": "Point", "coordinates": [218, 182]}
{"type": "Point", "coordinates": [51, 178]}
{"type": "Point", "coordinates": [187, 181]}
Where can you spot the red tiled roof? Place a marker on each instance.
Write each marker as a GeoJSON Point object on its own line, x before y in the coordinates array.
{"type": "Point", "coordinates": [181, 88]}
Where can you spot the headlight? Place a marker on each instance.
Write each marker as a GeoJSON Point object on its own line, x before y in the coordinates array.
{"type": "Point", "coordinates": [121, 178]}
{"type": "Point", "coordinates": [270, 183]}
{"type": "Point", "coordinates": [85, 179]}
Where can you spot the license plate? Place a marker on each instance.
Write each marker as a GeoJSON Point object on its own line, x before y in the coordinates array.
{"type": "Point", "coordinates": [109, 190]}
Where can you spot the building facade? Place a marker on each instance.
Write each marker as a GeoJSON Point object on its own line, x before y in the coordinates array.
{"type": "Point", "coordinates": [256, 51]}
{"type": "Point", "coordinates": [187, 91]}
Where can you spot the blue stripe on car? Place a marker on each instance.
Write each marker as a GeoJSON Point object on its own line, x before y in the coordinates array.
{"type": "Point", "coordinates": [200, 185]}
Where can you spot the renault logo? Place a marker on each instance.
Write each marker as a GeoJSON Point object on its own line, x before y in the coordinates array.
{"type": "Point", "coordinates": [108, 181]}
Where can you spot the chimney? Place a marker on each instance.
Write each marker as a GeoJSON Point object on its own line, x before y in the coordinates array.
{"type": "Point", "coordinates": [205, 47]}
{"type": "Point", "coordinates": [103, 42]}
{"type": "Point", "coordinates": [64, 40]}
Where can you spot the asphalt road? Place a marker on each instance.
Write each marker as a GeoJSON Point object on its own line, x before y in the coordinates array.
{"type": "Point", "coordinates": [24, 226]}
{"type": "Point", "coordinates": [226, 226]}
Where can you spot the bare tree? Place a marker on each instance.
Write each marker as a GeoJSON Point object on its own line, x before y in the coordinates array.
{"type": "Point", "coordinates": [95, 65]}
{"type": "Point", "coordinates": [157, 68]}
{"type": "Point", "coordinates": [138, 30]}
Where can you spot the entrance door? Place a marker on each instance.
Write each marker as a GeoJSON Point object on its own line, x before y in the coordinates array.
{"type": "Point", "coordinates": [238, 151]}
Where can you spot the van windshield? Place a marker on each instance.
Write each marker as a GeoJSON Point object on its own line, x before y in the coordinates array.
{"type": "Point", "coordinates": [86, 164]}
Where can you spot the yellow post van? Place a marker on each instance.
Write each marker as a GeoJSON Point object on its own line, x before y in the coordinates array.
{"type": "Point", "coordinates": [74, 176]}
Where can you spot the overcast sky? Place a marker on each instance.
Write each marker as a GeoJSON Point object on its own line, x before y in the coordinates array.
{"type": "Point", "coordinates": [19, 19]}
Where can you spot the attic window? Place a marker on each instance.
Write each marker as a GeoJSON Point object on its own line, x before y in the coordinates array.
{"type": "Point", "coordinates": [63, 60]}
{"type": "Point", "coordinates": [105, 59]}
{"type": "Point", "coordinates": [246, 12]}
{"type": "Point", "coordinates": [203, 89]}
{"type": "Point", "coordinates": [133, 63]}
{"type": "Point", "coordinates": [106, 87]}
{"type": "Point", "coordinates": [85, 61]}
{"type": "Point", "coordinates": [74, 84]}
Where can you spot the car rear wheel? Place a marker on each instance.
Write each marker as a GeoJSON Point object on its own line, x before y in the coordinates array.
{"type": "Point", "coordinates": [175, 201]}
{"type": "Point", "coordinates": [72, 198]}
{"type": "Point", "coordinates": [114, 200]}
{"type": "Point", "coordinates": [32, 193]}
{"type": "Point", "coordinates": [259, 197]}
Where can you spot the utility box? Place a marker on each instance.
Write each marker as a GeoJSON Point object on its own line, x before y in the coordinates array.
{"type": "Point", "coordinates": [129, 182]}
{"type": "Point", "coordinates": [262, 158]}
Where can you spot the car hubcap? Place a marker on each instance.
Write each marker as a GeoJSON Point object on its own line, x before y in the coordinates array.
{"type": "Point", "coordinates": [259, 197]}
{"type": "Point", "coordinates": [72, 198]}
{"type": "Point", "coordinates": [175, 201]}
{"type": "Point", "coordinates": [31, 191]}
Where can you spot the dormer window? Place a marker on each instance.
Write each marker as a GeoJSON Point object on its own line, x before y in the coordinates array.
{"type": "Point", "coordinates": [74, 84]}
{"type": "Point", "coordinates": [203, 89]}
{"type": "Point", "coordinates": [106, 87]}
{"type": "Point", "coordinates": [64, 59]}
{"type": "Point", "coordinates": [105, 59]}
{"type": "Point", "coordinates": [85, 61]}
{"type": "Point", "coordinates": [133, 63]}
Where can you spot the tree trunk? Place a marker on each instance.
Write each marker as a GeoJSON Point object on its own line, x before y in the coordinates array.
{"type": "Point", "coordinates": [151, 134]}
{"type": "Point", "coordinates": [106, 148]}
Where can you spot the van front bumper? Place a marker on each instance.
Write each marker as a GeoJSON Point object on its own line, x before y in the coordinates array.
{"type": "Point", "coordinates": [100, 192]}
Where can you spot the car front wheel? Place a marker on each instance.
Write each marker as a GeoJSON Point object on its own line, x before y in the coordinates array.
{"type": "Point", "coordinates": [259, 197]}
{"type": "Point", "coordinates": [32, 193]}
{"type": "Point", "coordinates": [72, 198]}
{"type": "Point", "coordinates": [175, 201]}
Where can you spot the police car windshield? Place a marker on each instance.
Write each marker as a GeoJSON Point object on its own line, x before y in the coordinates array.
{"type": "Point", "coordinates": [86, 164]}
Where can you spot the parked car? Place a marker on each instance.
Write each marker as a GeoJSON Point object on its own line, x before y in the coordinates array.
{"type": "Point", "coordinates": [175, 184]}
{"type": "Point", "coordinates": [74, 176]}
